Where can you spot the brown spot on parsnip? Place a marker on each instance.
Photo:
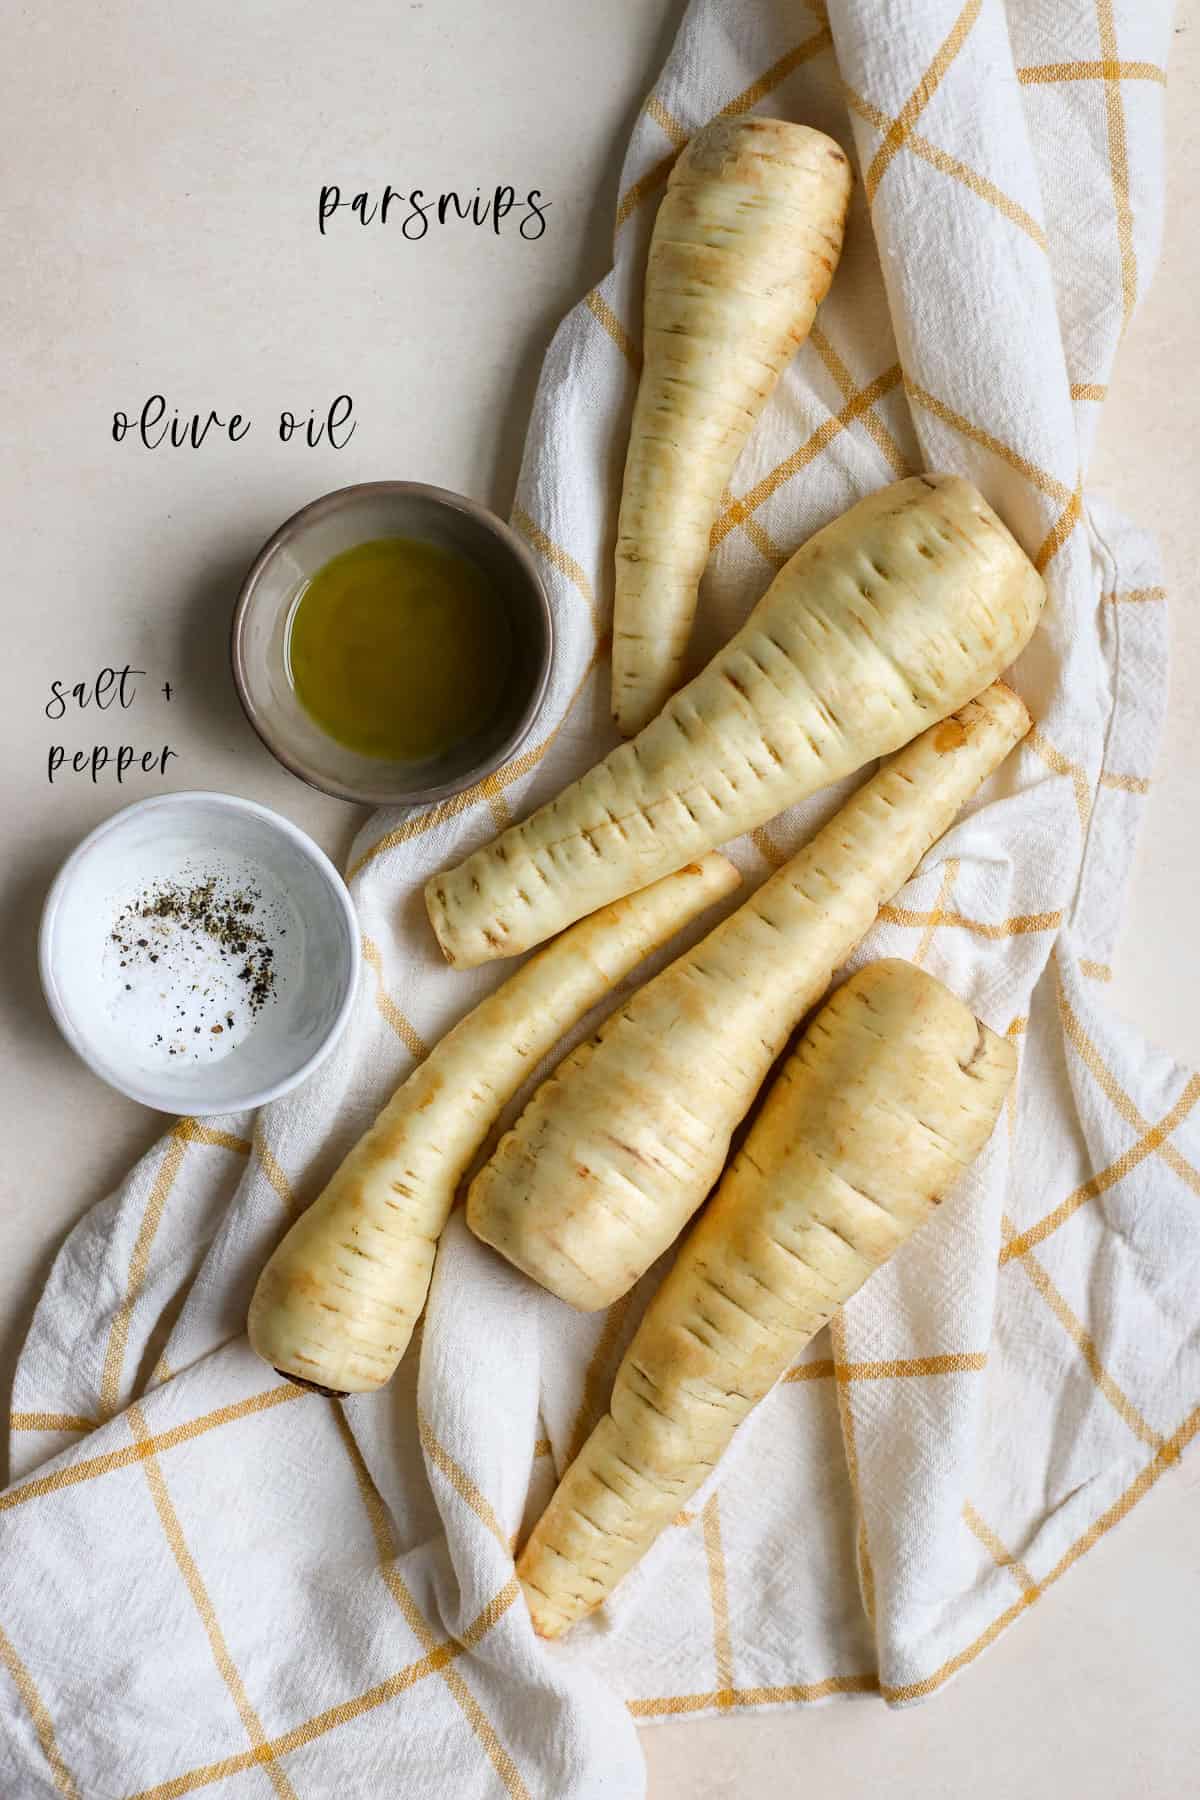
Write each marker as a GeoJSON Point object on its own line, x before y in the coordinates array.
{"type": "Point", "coordinates": [950, 735]}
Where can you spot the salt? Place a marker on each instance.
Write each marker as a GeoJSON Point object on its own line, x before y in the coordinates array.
{"type": "Point", "coordinates": [191, 960]}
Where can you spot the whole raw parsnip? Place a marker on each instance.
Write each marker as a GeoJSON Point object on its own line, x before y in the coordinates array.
{"type": "Point", "coordinates": [620, 1145]}
{"type": "Point", "coordinates": [336, 1304]}
{"type": "Point", "coordinates": [893, 1091]}
{"type": "Point", "coordinates": [744, 248]}
{"type": "Point", "coordinates": [891, 617]}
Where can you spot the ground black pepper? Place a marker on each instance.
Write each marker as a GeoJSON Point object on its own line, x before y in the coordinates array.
{"type": "Point", "coordinates": [217, 917]}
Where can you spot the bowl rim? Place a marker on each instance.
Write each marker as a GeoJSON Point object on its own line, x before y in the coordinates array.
{"type": "Point", "coordinates": [53, 988]}
{"type": "Point", "coordinates": [334, 501]}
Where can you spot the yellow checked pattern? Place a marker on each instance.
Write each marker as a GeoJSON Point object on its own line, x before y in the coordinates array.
{"type": "Point", "coordinates": [213, 1582]}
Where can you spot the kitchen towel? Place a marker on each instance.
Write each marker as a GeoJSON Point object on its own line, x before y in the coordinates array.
{"type": "Point", "coordinates": [211, 1582]}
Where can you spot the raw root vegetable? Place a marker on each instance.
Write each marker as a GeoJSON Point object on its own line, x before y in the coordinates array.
{"type": "Point", "coordinates": [893, 1091]}
{"type": "Point", "coordinates": [336, 1305]}
{"type": "Point", "coordinates": [893, 616]}
{"type": "Point", "coordinates": [620, 1145]}
{"type": "Point", "coordinates": [743, 252]}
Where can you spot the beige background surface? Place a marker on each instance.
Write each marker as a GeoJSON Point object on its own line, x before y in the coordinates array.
{"type": "Point", "coordinates": [160, 197]}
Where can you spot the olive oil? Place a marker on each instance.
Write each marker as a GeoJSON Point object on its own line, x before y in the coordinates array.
{"type": "Point", "coordinates": [400, 649]}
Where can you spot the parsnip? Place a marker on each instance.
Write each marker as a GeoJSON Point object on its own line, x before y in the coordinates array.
{"type": "Point", "coordinates": [888, 619]}
{"type": "Point", "coordinates": [743, 251]}
{"type": "Point", "coordinates": [337, 1302]}
{"type": "Point", "coordinates": [892, 1092]}
{"type": "Point", "coordinates": [619, 1146]}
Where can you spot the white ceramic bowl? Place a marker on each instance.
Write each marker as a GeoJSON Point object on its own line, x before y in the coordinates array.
{"type": "Point", "coordinates": [173, 1023]}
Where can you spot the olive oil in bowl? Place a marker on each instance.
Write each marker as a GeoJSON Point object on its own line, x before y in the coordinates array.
{"type": "Point", "coordinates": [400, 649]}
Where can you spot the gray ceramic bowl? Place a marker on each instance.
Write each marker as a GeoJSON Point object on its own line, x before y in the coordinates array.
{"type": "Point", "coordinates": [277, 577]}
